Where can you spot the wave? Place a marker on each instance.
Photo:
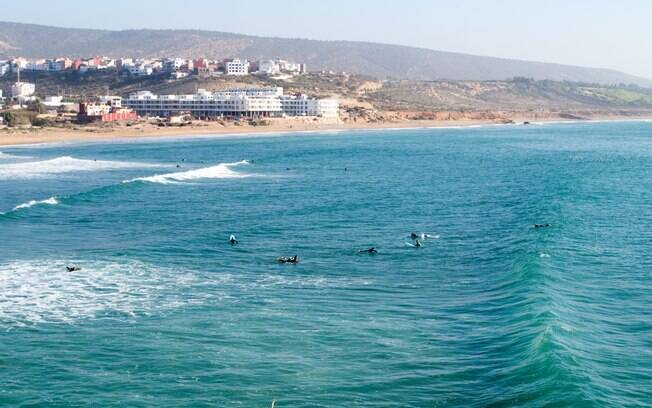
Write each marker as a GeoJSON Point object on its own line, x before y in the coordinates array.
{"type": "Point", "coordinates": [32, 203]}
{"type": "Point", "coordinates": [43, 291]}
{"type": "Point", "coordinates": [62, 165]}
{"type": "Point", "coordinates": [12, 156]}
{"type": "Point", "coordinates": [220, 171]}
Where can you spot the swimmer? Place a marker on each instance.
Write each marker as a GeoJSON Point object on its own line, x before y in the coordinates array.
{"type": "Point", "coordinates": [73, 268]}
{"type": "Point", "coordinates": [371, 250]}
{"type": "Point", "coordinates": [233, 240]}
{"type": "Point", "coordinates": [417, 243]}
{"type": "Point", "coordinates": [541, 225]}
{"type": "Point", "coordinates": [292, 260]}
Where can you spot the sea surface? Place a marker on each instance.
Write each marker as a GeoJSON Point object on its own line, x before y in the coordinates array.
{"type": "Point", "coordinates": [489, 312]}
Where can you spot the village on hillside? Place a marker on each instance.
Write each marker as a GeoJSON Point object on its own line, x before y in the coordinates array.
{"type": "Point", "coordinates": [250, 103]}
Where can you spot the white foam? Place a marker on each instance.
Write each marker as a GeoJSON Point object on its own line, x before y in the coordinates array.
{"type": "Point", "coordinates": [32, 203]}
{"type": "Point", "coordinates": [7, 156]}
{"type": "Point", "coordinates": [61, 165]}
{"type": "Point", "coordinates": [220, 171]}
{"type": "Point", "coordinates": [43, 291]}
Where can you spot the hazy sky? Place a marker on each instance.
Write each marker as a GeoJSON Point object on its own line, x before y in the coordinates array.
{"type": "Point", "coordinates": [598, 33]}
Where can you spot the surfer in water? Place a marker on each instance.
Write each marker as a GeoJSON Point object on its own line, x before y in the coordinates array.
{"type": "Point", "coordinates": [417, 243]}
{"type": "Point", "coordinates": [423, 236]}
{"type": "Point", "coordinates": [541, 225]}
{"type": "Point", "coordinates": [73, 268]}
{"type": "Point", "coordinates": [233, 240]}
{"type": "Point", "coordinates": [290, 260]}
{"type": "Point", "coordinates": [371, 250]}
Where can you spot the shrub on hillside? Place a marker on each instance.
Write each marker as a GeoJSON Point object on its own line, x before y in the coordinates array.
{"type": "Point", "coordinates": [19, 117]}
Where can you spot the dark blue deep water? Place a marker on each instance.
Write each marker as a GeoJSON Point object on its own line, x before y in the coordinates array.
{"type": "Point", "coordinates": [489, 312]}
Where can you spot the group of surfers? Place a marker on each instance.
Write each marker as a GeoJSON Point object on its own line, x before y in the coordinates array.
{"type": "Point", "coordinates": [417, 238]}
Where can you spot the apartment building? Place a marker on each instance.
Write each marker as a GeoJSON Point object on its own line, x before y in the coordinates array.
{"type": "Point", "coordinates": [242, 102]}
{"type": "Point", "coordinates": [236, 67]}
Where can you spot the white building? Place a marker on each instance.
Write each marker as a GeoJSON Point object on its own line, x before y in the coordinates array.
{"type": "Point", "coordinates": [291, 66]}
{"type": "Point", "coordinates": [23, 91]}
{"type": "Point", "coordinates": [111, 100]}
{"type": "Point", "coordinates": [173, 64]}
{"type": "Point", "coordinates": [237, 67]}
{"type": "Point", "coordinates": [268, 67]}
{"type": "Point", "coordinates": [140, 69]}
{"type": "Point", "coordinates": [247, 102]}
{"type": "Point", "coordinates": [4, 68]}
{"type": "Point", "coordinates": [302, 105]}
{"type": "Point", "coordinates": [53, 102]}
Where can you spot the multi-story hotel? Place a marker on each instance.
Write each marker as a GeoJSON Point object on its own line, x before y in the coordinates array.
{"type": "Point", "coordinates": [246, 102]}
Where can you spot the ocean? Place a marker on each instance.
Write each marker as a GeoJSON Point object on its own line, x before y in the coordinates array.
{"type": "Point", "coordinates": [488, 312]}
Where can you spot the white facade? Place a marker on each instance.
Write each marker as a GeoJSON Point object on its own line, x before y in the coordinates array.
{"type": "Point", "coordinates": [53, 101]}
{"type": "Point", "coordinates": [302, 105]}
{"type": "Point", "coordinates": [237, 67]}
{"type": "Point", "coordinates": [4, 68]}
{"type": "Point", "coordinates": [291, 66]}
{"type": "Point", "coordinates": [97, 109]}
{"type": "Point", "coordinates": [248, 102]}
{"type": "Point", "coordinates": [173, 64]}
{"type": "Point", "coordinates": [111, 100]}
{"type": "Point", "coordinates": [204, 104]}
{"type": "Point", "coordinates": [22, 90]}
{"type": "Point", "coordinates": [140, 70]}
{"type": "Point", "coordinates": [268, 67]}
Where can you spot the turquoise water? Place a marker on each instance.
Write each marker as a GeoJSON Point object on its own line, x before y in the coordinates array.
{"type": "Point", "coordinates": [493, 312]}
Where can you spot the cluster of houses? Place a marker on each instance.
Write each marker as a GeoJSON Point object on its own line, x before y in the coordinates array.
{"type": "Point", "coordinates": [177, 67]}
{"type": "Point", "coordinates": [230, 103]}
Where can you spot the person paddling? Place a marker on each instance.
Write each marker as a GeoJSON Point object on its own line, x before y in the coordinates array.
{"type": "Point", "coordinates": [292, 260]}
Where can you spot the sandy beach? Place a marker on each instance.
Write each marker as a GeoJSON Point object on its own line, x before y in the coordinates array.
{"type": "Point", "coordinates": [144, 129]}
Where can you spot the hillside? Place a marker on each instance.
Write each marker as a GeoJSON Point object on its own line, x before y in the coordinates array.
{"type": "Point", "coordinates": [364, 94]}
{"type": "Point", "coordinates": [376, 60]}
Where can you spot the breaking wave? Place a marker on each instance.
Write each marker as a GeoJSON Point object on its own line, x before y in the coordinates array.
{"type": "Point", "coordinates": [220, 171]}
{"type": "Point", "coordinates": [62, 165]}
{"type": "Point", "coordinates": [32, 203]}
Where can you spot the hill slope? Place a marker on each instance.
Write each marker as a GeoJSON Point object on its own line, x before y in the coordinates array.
{"type": "Point", "coordinates": [378, 60]}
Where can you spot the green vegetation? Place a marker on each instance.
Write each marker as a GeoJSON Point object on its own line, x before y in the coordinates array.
{"type": "Point", "coordinates": [19, 117]}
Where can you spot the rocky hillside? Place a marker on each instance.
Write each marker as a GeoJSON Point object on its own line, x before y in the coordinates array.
{"type": "Point", "coordinates": [377, 60]}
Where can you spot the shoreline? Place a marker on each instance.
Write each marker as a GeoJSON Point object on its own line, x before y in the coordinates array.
{"type": "Point", "coordinates": [143, 131]}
